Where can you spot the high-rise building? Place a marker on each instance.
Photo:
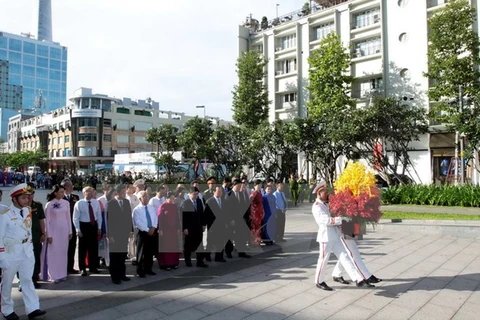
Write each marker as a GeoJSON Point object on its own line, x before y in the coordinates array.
{"type": "Point", "coordinates": [388, 40]}
{"type": "Point", "coordinates": [44, 31]}
{"type": "Point", "coordinates": [36, 69]}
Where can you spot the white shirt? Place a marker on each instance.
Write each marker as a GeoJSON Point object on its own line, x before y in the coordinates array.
{"type": "Point", "coordinates": [103, 200]}
{"type": "Point", "coordinates": [139, 217]}
{"type": "Point", "coordinates": [81, 213]}
{"type": "Point", "coordinates": [156, 202]}
{"type": "Point", "coordinates": [327, 225]}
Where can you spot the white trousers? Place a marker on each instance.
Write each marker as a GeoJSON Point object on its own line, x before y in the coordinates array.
{"type": "Point", "coordinates": [25, 271]}
{"type": "Point", "coordinates": [337, 247]}
{"type": "Point", "coordinates": [132, 246]}
{"type": "Point", "coordinates": [354, 254]}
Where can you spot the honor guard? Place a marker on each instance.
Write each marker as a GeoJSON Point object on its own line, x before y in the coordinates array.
{"type": "Point", "coordinates": [16, 254]}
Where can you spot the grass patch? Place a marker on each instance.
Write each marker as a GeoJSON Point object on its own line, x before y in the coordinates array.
{"type": "Point", "coordinates": [427, 216]}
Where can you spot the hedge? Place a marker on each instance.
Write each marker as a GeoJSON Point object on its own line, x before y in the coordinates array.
{"type": "Point", "coordinates": [444, 195]}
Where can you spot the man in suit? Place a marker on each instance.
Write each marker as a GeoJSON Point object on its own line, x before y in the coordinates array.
{"type": "Point", "coordinates": [235, 205]}
{"type": "Point", "coordinates": [38, 233]}
{"type": "Point", "coordinates": [194, 225]}
{"type": "Point", "coordinates": [72, 245]}
{"type": "Point", "coordinates": [118, 231]}
{"type": "Point", "coordinates": [218, 229]}
{"type": "Point", "coordinates": [329, 239]}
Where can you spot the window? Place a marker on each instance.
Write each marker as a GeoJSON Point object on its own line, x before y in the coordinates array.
{"type": "Point", "coordinates": [143, 126]}
{"type": "Point", "coordinates": [87, 122]}
{"type": "Point", "coordinates": [29, 71]}
{"type": "Point", "coordinates": [123, 150]}
{"type": "Point", "coordinates": [67, 152]}
{"type": "Point", "coordinates": [15, 45]}
{"type": "Point", "coordinates": [55, 64]}
{"type": "Point", "coordinates": [15, 57]}
{"type": "Point", "coordinates": [28, 59]}
{"type": "Point", "coordinates": [286, 66]}
{"type": "Point", "coordinates": [67, 123]}
{"type": "Point", "coordinates": [123, 110]}
{"type": "Point", "coordinates": [87, 137]}
{"type": "Point", "coordinates": [29, 47]}
{"type": "Point", "coordinates": [42, 62]}
{"type": "Point", "coordinates": [290, 97]}
{"type": "Point", "coordinates": [15, 68]}
{"type": "Point", "coordinates": [56, 53]}
{"type": "Point", "coordinates": [286, 42]}
{"type": "Point", "coordinates": [122, 138]}
{"type": "Point", "coordinates": [107, 152]}
{"type": "Point", "coordinates": [42, 50]}
{"type": "Point", "coordinates": [368, 47]}
{"type": "Point", "coordinates": [107, 123]}
{"type": "Point", "coordinates": [321, 31]}
{"type": "Point", "coordinates": [366, 87]}
{"type": "Point", "coordinates": [87, 151]}
{"type": "Point", "coordinates": [107, 137]}
{"type": "Point", "coordinates": [366, 18]}
{"type": "Point", "coordinates": [3, 42]}
{"type": "Point", "coordinates": [67, 139]}
{"type": "Point", "coordinates": [143, 113]}
{"type": "Point", "coordinates": [48, 142]}
{"type": "Point", "coordinates": [123, 124]}
{"type": "Point", "coordinates": [60, 140]}
{"type": "Point", "coordinates": [258, 48]}
{"type": "Point", "coordinates": [107, 105]}
{"type": "Point", "coordinates": [140, 139]}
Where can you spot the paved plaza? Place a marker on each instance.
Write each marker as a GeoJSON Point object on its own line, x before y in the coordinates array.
{"type": "Point", "coordinates": [426, 276]}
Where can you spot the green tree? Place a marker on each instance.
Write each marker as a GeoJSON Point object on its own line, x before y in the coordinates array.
{"type": "Point", "coordinates": [165, 138]}
{"type": "Point", "coordinates": [250, 96]}
{"type": "Point", "coordinates": [306, 8]}
{"type": "Point", "coordinates": [453, 60]}
{"type": "Point", "coordinates": [194, 140]}
{"type": "Point", "coordinates": [21, 159]}
{"type": "Point", "coordinates": [226, 150]}
{"type": "Point", "coordinates": [386, 124]}
{"type": "Point", "coordinates": [264, 23]}
{"type": "Point", "coordinates": [330, 109]}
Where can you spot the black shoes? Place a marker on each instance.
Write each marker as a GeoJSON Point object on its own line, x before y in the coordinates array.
{"type": "Point", "coordinates": [364, 284]}
{"type": "Point", "coordinates": [208, 258]}
{"type": "Point", "coordinates": [84, 273]}
{"type": "Point", "coordinates": [244, 255]}
{"type": "Point", "coordinates": [36, 313]}
{"type": "Point", "coordinates": [373, 279]}
{"type": "Point", "coordinates": [188, 263]}
{"type": "Point", "coordinates": [141, 275]}
{"type": "Point", "coordinates": [12, 316]}
{"type": "Point", "coordinates": [125, 279]}
{"type": "Point", "coordinates": [341, 280]}
{"type": "Point", "coordinates": [324, 286]}
{"type": "Point", "coordinates": [117, 281]}
{"type": "Point", "coordinates": [151, 273]}
{"type": "Point", "coordinates": [229, 255]}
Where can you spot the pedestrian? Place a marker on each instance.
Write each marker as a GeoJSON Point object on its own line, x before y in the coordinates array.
{"type": "Point", "coordinates": [218, 231]}
{"type": "Point", "coordinates": [58, 234]}
{"type": "Point", "coordinates": [119, 228]}
{"type": "Point", "coordinates": [239, 231]}
{"type": "Point", "coordinates": [16, 254]}
{"type": "Point", "coordinates": [168, 256]}
{"type": "Point", "coordinates": [145, 221]}
{"type": "Point", "coordinates": [257, 212]}
{"type": "Point", "coordinates": [294, 188]}
{"type": "Point", "coordinates": [87, 219]}
{"type": "Point", "coordinates": [72, 244]}
{"type": "Point", "coordinates": [282, 204]}
{"type": "Point", "coordinates": [38, 234]}
{"type": "Point", "coordinates": [328, 237]}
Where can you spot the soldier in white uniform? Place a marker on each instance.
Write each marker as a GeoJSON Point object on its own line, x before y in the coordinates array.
{"type": "Point", "coordinates": [16, 254]}
{"type": "Point", "coordinates": [354, 254]}
{"type": "Point", "coordinates": [328, 238]}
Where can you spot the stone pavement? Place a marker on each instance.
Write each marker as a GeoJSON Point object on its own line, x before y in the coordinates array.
{"type": "Point", "coordinates": [426, 276]}
{"type": "Point", "coordinates": [431, 209]}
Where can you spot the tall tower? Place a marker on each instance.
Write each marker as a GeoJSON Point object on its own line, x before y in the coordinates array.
{"type": "Point", "coordinates": [44, 20]}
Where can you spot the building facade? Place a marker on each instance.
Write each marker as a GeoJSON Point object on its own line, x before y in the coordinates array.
{"type": "Point", "coordinates": [92, 130]}
{"type": "Point", "coordinates": [388, 40]}
{"type": "Point", "coordinates": [38, 71]}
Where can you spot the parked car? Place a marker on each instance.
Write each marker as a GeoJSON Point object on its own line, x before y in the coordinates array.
{"type": "Point", "coordinates": [394, 180]}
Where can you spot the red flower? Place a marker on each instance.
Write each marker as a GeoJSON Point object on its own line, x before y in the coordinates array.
{"type": "Point", "coordinates": [366, 206]}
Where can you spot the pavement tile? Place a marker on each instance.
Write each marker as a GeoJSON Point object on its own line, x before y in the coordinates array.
{"type": "Point", "coordinates": [187, 314]}
{"type": "Point", "coordinates": [258, 289]}
{"type": "Point", "coordinates": [373, 301]}
{"type": "Point", "coordinates": [394, 312]}
{"type": "Point", "coordinates": [313, 312]}
{"type": "Point", "coordinates": [450, 297]}
{"type": "Point", "coordinates": [108, 314]}
{"type": "Point", "coordinates": [146, 314]}
{"type": "Point", "coordinates": [228, 314]}
{"type": "Point", "coordinates": [468, 311]}
{"type": "Point", "coordinates": [259, 303]}
{"type": "Point", "coordinates": [217, 305]}
{"type": "Point", "coordinates": [181, 304]}
{"type": "Point", "coordinates": [432, 311]}
{"type": "Point", "coordinates": [357, 312]}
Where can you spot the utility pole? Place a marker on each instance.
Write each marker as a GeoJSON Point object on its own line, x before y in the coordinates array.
{"type": "Point", "coordinates": [462, 166]}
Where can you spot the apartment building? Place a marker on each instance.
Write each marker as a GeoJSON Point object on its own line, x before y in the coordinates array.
{"type": "Point", "coordinates": [388, 40]}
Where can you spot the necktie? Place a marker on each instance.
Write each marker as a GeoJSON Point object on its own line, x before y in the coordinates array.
{"type": "Point", "coordinates": [21, 212]}
{"type": "Point", "coordinates": [120, 202]}
{"type": "Point", "coordinates": [68, 197]}
{"type": "Point", "coordinates": [219, 203]}
{"type": "Point", "coordinates": [149, 219]}
{"type": "Point", "coordinates": [238, 196]}
{"type": "Point", "coordinates": [90, 212]}
{"type": "Point", "coordinates": [195, 204]}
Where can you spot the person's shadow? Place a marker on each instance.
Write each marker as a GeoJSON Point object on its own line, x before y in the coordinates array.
{"type": "Point", "coordinates": [462, 282]}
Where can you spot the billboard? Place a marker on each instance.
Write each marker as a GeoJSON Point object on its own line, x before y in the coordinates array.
{"type": "Point", "coordinates": [86, 113]}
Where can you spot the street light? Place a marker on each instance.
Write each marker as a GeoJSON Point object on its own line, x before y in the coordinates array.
{"type": "Point", "coordinates": [277, 9]}
{"type": "Point", "coordinates": [204, 111]}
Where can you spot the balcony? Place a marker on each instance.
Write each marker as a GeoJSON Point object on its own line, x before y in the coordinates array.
{"type": "Point", "coordinates": [435, 3]}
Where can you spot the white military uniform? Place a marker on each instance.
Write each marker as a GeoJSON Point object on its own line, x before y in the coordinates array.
{"type": "Point", "coordinates": [132, 241]}
{"type": "Point", "coordinates": [354, 254]}
{"type": "Point", "coordinates": [329, 240]}
{"type": "Point", "coordinates": [16, 255]}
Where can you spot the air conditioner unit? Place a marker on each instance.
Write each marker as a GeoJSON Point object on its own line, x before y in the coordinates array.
{"type": "Point", "coordinates": [376, 18]}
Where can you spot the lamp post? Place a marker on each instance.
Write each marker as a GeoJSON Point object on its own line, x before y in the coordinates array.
{"type": "Point", "coordinates": [277, 9]}
{"type": "Point", "coordinates": [204, 111]}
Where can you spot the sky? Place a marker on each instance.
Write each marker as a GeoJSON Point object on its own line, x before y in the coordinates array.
{"type": "Point", "coordinates": [180, 53]}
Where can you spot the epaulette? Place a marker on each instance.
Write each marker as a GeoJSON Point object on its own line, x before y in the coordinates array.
{"type": "Point", "coordinates": [4, 210]}
{"type": "Point", "coordinates": [317, 203]}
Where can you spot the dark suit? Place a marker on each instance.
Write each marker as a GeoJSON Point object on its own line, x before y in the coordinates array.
{"type": "Point", "coordinates": [193, 220]}
{"type": "Point", "coordinates": [119, 226]}
{"type": "Point", "coordinates": [72, 245]}
{"type": "Point", "coordinates": [217, 228]}
{"type": "Point", "coordinates": [236, 208]}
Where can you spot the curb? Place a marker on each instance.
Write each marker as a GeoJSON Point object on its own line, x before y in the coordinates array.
{"type": "Point", "coordinates": [447, 228]}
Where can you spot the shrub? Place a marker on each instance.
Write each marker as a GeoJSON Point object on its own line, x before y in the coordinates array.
{"type": "Point", "coordinates": [445, 195]}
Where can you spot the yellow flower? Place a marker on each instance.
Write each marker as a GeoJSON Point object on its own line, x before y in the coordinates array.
{"type": "Point", "coordinates": [357, 178]}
